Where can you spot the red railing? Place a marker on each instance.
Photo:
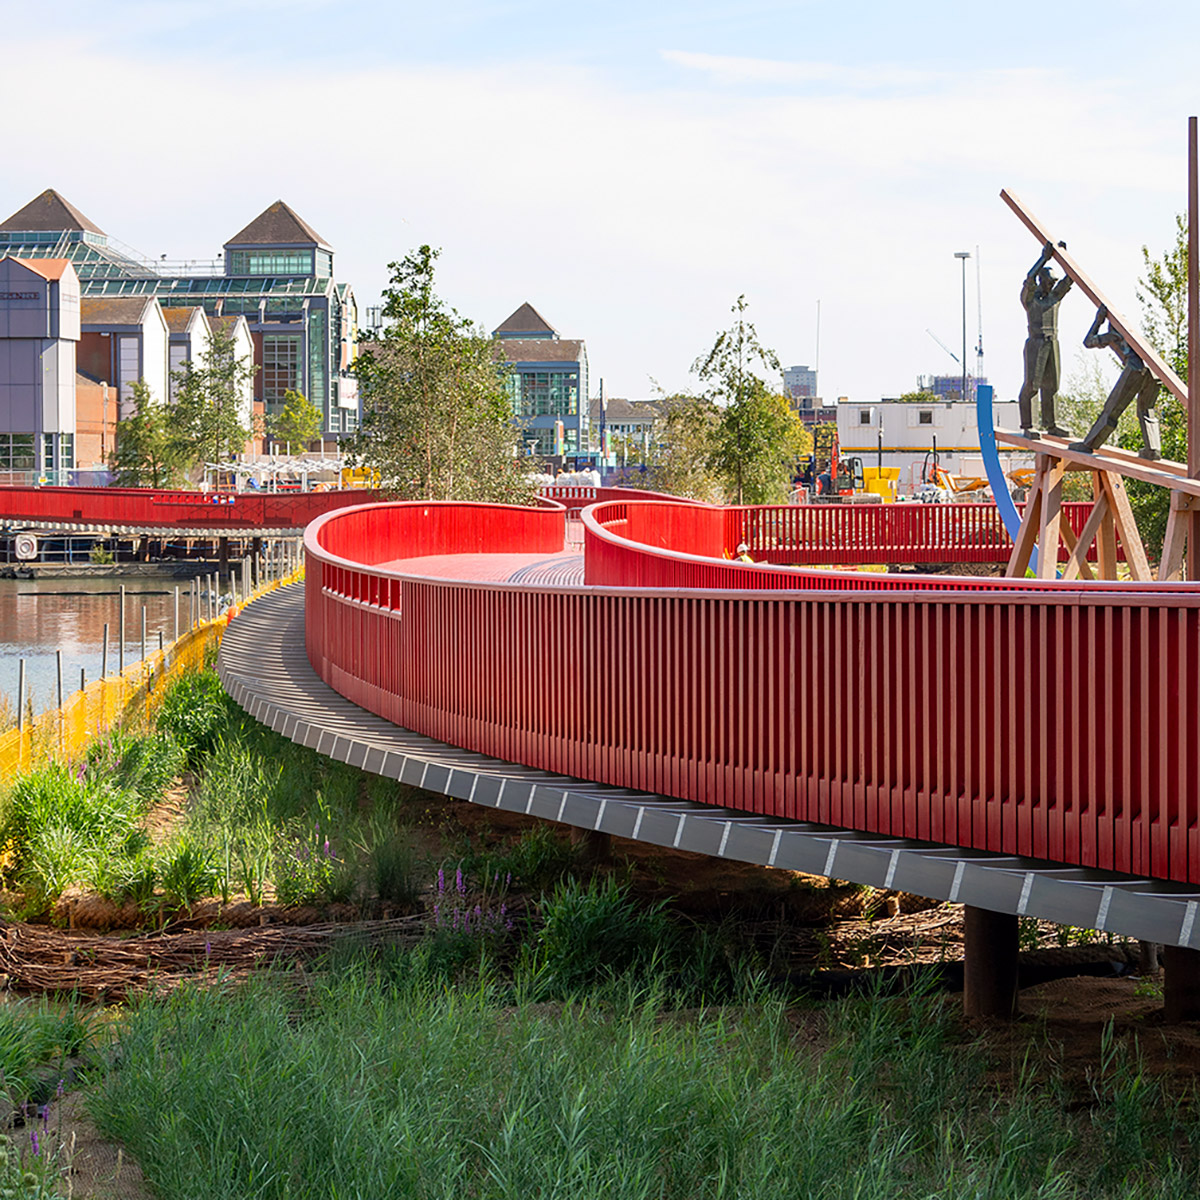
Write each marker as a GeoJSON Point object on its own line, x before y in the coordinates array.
{"type": "Point", "coordinates": [575, 498]}
{"type": "Point", "coordinates": [666, 545]}
{"type": "Point", "coordinates": [150, 507]}
{"type": "Point", "coordinates": [1060, 721]}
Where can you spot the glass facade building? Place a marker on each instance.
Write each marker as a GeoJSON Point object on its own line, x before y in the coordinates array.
{"type": "Point", "coordinates": [277, 272]}
{"type": "Point", "coordinates": [548, 385]}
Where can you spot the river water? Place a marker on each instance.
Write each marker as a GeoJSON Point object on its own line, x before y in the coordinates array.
{"type": "Point", "coordinates": [39, 617]}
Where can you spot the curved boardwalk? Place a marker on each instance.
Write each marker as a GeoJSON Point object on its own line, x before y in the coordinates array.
{"type": "Point", "coordinates": [264, 667]}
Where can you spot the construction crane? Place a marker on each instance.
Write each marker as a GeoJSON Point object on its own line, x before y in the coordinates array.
{"type": "Point", "coordinates": [942, 344]}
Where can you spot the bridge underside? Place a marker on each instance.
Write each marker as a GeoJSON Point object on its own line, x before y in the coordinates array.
{"type": "Point", "coordinates": [264, 668]}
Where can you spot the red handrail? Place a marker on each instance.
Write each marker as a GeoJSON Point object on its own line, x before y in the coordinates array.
{"type": "Point", "coordinates": [1054, 720]}
{"type": "Point", "coordinates": [167, 508]}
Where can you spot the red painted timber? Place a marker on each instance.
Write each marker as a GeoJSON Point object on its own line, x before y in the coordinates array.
{"type": "Point", "coordinates": [150, 507]}
{"type": "Point", "coordinates": [1060, 720]}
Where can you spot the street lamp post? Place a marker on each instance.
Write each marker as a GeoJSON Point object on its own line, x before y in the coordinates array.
{"type": "Point", "coordinates": [964, 255]}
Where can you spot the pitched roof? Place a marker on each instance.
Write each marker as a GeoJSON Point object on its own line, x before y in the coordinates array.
{"type": "Point", "coordinates": [180, 320]}
{"type": "Point", "coordinates": [47, 268]}
{"type": "Point", "coordinates": [535, 350]}
{"type": "Point", "coordinates": [526, 320]}
{"type": "Point", "coordinates": [114, 310]}
{"type": "Point", "coordinates": [278, 225]}
{"type": "Point", "coordinates": [49, 211]}
{"type": "Point", "coordinates": [226, 323]}
{"type": "Point", "coordinates": [617, 411]}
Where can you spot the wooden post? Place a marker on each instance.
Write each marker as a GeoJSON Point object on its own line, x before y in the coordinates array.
{"type": "Point", "coordinates": [1193, 381]}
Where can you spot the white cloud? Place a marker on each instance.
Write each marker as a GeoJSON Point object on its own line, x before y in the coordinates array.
{"type": "Point", "coordinates": [631, 217]}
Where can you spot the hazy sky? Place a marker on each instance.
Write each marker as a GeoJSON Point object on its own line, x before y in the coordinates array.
{"type": "Point", "coordinates": [630, 168]}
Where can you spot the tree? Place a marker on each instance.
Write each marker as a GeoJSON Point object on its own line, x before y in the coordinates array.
{"type": "Point", "coordinates": [758, 446]}
{"type": "Point", "coordinates": [1162, 293]}
{"type": "Point", "coordinates": [209, 399]}
{"type": "Point", "coordinates": [147, 453]}
{"type": "Point", "coordinates": [758, 439]}
{"type": "Point", "coordinates": [437, 409]}
{"type": "Point", "coordinates": [918, 397]}
{"type": "Point", "coordinates": [681, 449]}
{"type": "Point", "coordinates": [299, 420]}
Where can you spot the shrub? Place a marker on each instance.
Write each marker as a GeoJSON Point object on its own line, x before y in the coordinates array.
{"type": "Point", "coordinates": [187, 873]}
{"type": "Point", "coordinates": [596, 931]}
{"type": "Point", "coordinates": [194, 711]}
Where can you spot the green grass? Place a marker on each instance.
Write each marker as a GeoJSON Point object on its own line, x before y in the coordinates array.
{"type": "Point", "coordinates": [403, 1086]}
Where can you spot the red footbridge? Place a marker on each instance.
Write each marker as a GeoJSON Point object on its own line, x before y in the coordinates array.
{"type": "Point", "coordinates": [1028, 748]}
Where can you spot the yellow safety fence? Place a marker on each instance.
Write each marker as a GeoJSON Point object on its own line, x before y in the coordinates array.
{"type": "Point", "coordinates": [117, 700]}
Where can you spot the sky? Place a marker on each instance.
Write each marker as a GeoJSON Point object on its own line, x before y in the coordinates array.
{"type": "Point", "coordinates": [629, 168]}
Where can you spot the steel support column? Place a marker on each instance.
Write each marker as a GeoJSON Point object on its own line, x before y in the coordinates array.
{"type": "Point", "coordinates": [1181, 984]}
{"type": "Point", "coordinates": [990, 966]}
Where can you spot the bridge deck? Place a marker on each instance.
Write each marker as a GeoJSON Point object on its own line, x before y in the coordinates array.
{"type": "Point", "coordinates": [264, 667]}
{"type": "Point", "coordinates": [559, 570]}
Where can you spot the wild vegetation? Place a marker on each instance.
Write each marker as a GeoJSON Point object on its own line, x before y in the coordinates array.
{"type": "Point", "coordinates": [549, 1034]}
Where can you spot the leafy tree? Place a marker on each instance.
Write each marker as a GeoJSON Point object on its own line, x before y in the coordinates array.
{"type": "Point", "coordinates": [1162, 292]}
{"type": "Point", "coordinates": [918, 397]}
{"type": "Point", "coordinates": [208, 401]}
{"type": "Point", "coordinates": [437, 410]}
{"type": "Point", "coordinates": [758, 444]}
{"type": "Point", "coordinates": [147, 453]}
{"type": "Point", "coordinates": [681, 449]}
{"type": "Point", "coordinates": [299, 420]}
{"type": "Point", "coordinates": [758, 439]}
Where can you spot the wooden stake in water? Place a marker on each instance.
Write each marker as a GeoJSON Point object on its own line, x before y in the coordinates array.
{"type": "Point", "coordinates": [58, 670]}
{"type": "Point", "coordinates": [104, 653]}
{"type": "Point", "coordinates": [21, 694]}
{"type": "Point", "coordinates": [176, 637]}
{"type": "Point", "coordinates": [143, 633]}
{"type": "Point", "coordinates": [121, 656]}
{"type": "Point", "coordinates": [83, 679]}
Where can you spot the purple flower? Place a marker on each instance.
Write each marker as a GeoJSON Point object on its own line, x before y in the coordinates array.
{"type": "Point", "coordinates": [207, 952]}
{"type": "Point", "coordinates": [441, 884]}
{"type": "Point", "coordinates": [33, 1137]}
{"type": "Point", "coordinates": [60, 1089]}
{"type": "Point", "coordinates": [458, 882]}
{"type": "Point", "coordinates": [328, 852]}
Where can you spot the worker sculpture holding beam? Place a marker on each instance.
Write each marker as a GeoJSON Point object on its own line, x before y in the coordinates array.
{"type": "Point", "coordinates": [1041, 294]}
{"type": "Point", "coordinates": [1136, 380]}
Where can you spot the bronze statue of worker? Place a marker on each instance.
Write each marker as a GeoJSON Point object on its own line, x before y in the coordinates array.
{"type": "Point", "coordinates": [1135, 382]}
{"type": "Point", "coordinates": [1041, 294]}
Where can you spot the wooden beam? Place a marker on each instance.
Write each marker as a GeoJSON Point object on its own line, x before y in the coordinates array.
{"type": "Point", "coordinates": [1106, 539]}
{"type": "Point", "coordinates": [1137, 468]}
{"type": "Point", "coordinates": [1048, 535]}
{"type": "Point", "coordinates": [1135, 553]}
{"type": "Point", "coordinates": [1192, 520]}
{"type": "Point", "coordinates": [1018, 562]}
{"type": "Point", "coordinates": [1144, 351]}
{"type": "Point", "coordinates": [1078, 564]}
{"type": "Point", "coordinates": [1177, 537]}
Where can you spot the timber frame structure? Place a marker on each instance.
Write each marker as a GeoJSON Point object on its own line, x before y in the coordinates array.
{"type": "Point", "coordinates": [1111, 517]}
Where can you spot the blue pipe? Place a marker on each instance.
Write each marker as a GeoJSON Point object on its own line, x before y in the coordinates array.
{"type": "Point", "coordinates": [995, 472]}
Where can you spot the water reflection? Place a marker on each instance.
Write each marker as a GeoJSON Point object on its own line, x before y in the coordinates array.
{"type": "Point", "coordinates": [39, 617]}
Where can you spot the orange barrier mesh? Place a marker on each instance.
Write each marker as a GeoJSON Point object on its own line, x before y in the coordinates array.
{"type": "Point", "coordinates": [129, 698]}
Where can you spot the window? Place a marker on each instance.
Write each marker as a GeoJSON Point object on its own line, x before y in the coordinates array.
{"type": "Point", "coordinates": [925, 416]}
{"type": "Point", "coordinates": [281, 366]}
{"type": "Point", "coordinates": [270, 262]}
{"type": "Point", "coordinates": [318, 355]}
{"type": "Point", "coordinates": [864, 416]}
{"type": "Point", "coordinates": [548, 394]}
{"type": "Point", "coordinates": [16, 452]}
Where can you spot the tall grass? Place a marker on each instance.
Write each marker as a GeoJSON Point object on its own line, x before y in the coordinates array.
{"type": "Point", "coordinates": [404, 1087]}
